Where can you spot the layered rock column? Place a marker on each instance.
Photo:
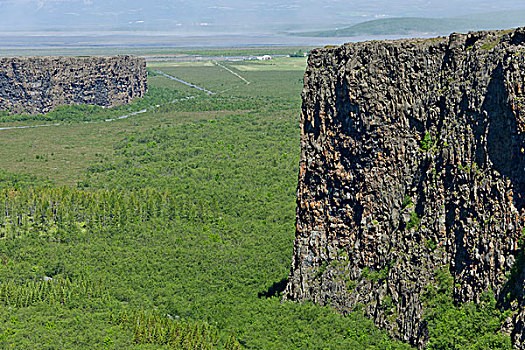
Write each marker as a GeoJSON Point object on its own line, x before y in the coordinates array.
{"type": "Point", "coordinates": [39, 84]}
{"type": "Point", "coordinates": [412, 160]}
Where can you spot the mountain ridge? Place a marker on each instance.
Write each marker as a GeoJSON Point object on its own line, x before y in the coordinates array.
{"type": "Point", "coordinates": [426, 25]}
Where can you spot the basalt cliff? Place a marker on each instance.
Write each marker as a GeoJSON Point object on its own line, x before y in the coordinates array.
{"type": "Point", "coordinates": [413, 160]}
{"type": "Point", "coordinates": [38, 84]}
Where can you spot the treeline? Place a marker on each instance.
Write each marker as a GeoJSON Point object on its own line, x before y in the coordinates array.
{"type": "Point", "coordinates": [142, 326]}
{"type": "Point", "coordinates": [155, 328]}
{"type": "Point", "coordinates": [59, 290]}
{"type": "Point", "coordinates": [48, 209]}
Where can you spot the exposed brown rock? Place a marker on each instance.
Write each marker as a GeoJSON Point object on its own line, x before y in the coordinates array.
{"type": "Point", "coordinates": [412, 160]}
{"type": "Point", "coordinates": [39, 84]}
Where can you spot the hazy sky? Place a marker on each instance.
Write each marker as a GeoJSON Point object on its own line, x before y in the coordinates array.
{"type": "Point", "coordinates": [226, 16]}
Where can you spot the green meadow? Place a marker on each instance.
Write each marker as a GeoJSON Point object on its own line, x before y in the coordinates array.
{"type": "Point", "coordinates": [172, 228]}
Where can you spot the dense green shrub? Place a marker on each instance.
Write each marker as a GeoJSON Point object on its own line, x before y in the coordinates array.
{"type": "Point", "coordinates": [188, 224]}
{"type": "Point", "coordinates": [468, 326]}
{"type": "Point", "coordinates": [87, 113]}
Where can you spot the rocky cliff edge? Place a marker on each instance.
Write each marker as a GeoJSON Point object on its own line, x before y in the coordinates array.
{"type": "Point", "coordinates": [413, 160]}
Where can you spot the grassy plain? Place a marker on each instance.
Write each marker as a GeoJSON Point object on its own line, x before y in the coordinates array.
{"type": "Point", "coordinates": [155, 53]}
{"type": "Point", "coordinates": [174, 228]}
{"type": "Point", "coordinates": [219, 258]}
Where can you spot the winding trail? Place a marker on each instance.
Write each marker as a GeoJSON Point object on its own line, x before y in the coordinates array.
{"type": "Point", "coordinates": [127, 115]}
{"type": "Point", "coordinates": [97, 121]}
{"type": "Point", "coordinates": [185, 82]}
{"type": "Point", "coordinates": [28, 126]}
{"type": "Point", "coordinates": [232, 72]}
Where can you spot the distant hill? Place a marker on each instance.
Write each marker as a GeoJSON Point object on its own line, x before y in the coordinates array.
{"type": "Point", "coordinates": [423, 25]}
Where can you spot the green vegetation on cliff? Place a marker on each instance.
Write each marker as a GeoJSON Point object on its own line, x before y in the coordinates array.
{"type": "Point", "coordinates": [468, 326]}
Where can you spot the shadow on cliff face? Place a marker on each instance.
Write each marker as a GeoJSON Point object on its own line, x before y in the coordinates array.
{"type": "Point", "coordinates": [503, 141]}
{"type": "Point", "coordinates": [497, 146]}
{"type": "Point", "coordinates": [504, 155]}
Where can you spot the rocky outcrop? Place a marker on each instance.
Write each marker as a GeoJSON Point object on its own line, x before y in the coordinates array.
{"type": "Point", "coordinates": [38, 84]}
{"type": "Point", "coordinates": [412, 159]}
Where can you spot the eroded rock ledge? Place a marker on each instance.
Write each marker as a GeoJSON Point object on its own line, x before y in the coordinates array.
{"type": "Point", "coordinates": [39, 84]}
{"type": "Point", "coordinates": [412, 160]}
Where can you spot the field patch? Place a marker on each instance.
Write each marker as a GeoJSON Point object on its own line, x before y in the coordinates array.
{"type": "Point", "coordinates": [278, 64]}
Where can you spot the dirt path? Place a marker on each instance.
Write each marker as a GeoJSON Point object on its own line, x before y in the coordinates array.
{"type": "Point", "coordinates": [232, 72]}
{"type": "Point", "coordinates": [185, 82]}
{"type": "Point", "coordinates": [27, 126]}
{"type": "Point", "coordinates": [96, 121]}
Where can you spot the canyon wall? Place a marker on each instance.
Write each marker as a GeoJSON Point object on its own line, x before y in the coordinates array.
{"type": "Point", "coordinates": [412, 160]}
{"type": "Point", "coordinates": [39, 84]}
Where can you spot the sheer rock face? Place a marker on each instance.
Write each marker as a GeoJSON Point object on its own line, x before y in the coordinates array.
{"type": "Point", "coordinates": [412, 159]}
{"type": "Point", "coordinates": [39, 84]}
